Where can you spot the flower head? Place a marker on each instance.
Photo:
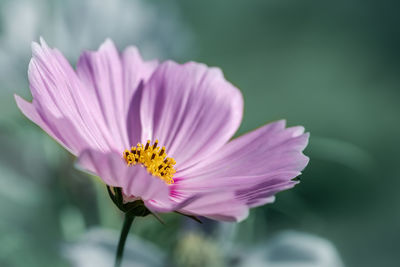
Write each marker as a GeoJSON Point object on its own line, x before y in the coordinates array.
{"type": "Point", "coordinates": [161, 131]}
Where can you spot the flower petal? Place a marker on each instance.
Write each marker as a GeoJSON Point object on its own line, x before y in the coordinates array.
{"type": "Point", "coordinates": [136, 73]}
{"type": "Point", "coordinates": [255, 166]}
{"type": "Point", "coordinates": [95, 100]}
{"type": "Point", "coordinates": [222, 206]}
{"type": "Point", "coordinates": [58, 128]}
{"type": "Point", "coordinates": [135, 181]}
{"type": "Point", "coordinates": [268, 149]}
{"type": "Point", "coordinates": [135, 70]}
{"type": "Point", "coordinates": [59, 96]}
{"type": "Point", "coordinates": [191, 109]}
{"type": "Point", "coordinates": [101, 72]}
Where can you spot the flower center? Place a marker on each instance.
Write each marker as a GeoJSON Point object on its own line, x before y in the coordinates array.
{"type": "Point", "coordinates": [153, 158]}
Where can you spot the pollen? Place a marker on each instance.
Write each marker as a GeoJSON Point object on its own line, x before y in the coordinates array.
{"type": "Point", "coordinates": [154, 158]}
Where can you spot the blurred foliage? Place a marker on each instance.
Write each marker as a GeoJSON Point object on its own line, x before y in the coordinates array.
{"type": "Point", "coordinates": [330, 66]}
{"type": "Point", "coordinates": [196, 250]}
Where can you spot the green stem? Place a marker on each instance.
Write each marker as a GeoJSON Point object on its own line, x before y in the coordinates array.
{"type": "Point", "coordinates": [121, 244]}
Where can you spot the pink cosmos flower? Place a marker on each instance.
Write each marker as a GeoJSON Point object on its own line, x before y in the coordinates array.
{"type": "Point", "coordinates": [161, 131]}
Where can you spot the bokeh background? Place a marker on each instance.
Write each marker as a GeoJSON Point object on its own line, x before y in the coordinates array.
{"type": "Point", "coordinates": [332, 66]}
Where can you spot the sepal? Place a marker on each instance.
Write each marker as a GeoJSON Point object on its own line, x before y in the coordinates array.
{"type": "Point", "coordinates": [134, 208]}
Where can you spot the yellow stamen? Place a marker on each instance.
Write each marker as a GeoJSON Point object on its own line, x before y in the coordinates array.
{"type": "Point", "coordinates": [154, 158]}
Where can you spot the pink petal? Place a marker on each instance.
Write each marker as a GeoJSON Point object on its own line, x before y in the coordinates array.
{"type": "Point", "coordinates": [218, 206]}
{"type": "Point", "coordinates": [191, 109]}
{"type": "Point", "coordinates": [101, 72]}
{"type": "Point", "coordinates": [255, 166]}
{"type": "Point", "coordinates": [263, 193]}
{"type": "Point", "coordinates": [268, 149]}
{"type": "Point", "coordinates": [58, 128]}
{"type": "Point", "coordinates": [93, 103]}
{"type": "Point", "coordinates": [135, 70]}
{"type": "Point", "coordinates": [135, 181]}
{"type": "Point", "coordinates": [203, 184]}
{"type": "Point", "coordinates": [59, 96]}
{"type": "Point", "coordinates": [115, 81]}
{"type": "Point", "coordinates": [136, 73]}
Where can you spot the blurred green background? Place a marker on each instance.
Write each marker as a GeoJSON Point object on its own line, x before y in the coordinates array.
{"type": "Point", "coordinates": [332, 66]}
